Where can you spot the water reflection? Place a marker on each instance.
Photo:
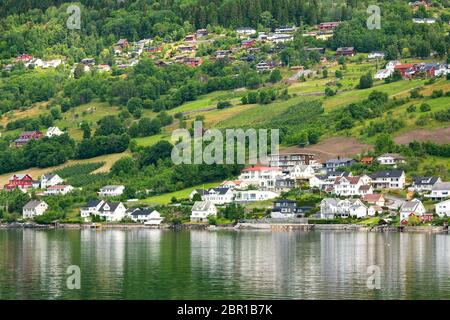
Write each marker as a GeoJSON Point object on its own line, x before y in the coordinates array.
{"type": "Point", "coordinates": [157, 264]}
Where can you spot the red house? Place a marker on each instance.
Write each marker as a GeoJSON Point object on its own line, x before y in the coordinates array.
{"type": "Point", "coordinates": [26, 136]}
{"type": "Point", "coordinates": [328, 25]}
{"type": "Point", "coordinates": [193, 62]}
{"type": "Point", "coordinates": [24, 58]}
{"type": "Point", "coordinates": [346, 51]}
{"type": "Point", "coordinates": [23, 181]}
{"type": "Point", "coordinates": [407, 69]}
{"type": "Point", "coordinates": [248, 43]}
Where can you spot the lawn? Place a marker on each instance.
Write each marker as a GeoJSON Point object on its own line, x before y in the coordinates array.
{"type": "Point", "coordinates": [181, 194]}
{"type": "Point", "coordinates": [151, 140]}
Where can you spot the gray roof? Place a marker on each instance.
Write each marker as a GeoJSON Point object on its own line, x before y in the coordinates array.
{"type": "Point", "coordinates": [330, 201]}
{"type": "Point", "coordinates": [92, 203]}
{"type": "Point", "coordinates": [112, 206]}
{"type": "Point", "coordinates": [425, 180]}
{"type": "Point", "coordinates": [410, 205]}
{"type": "Point", "coordinates": [202, 192]}
{"type": "Point", "coordinates": [49, 176]}
{"type": "Point", "coordinates": [33, 204]}
{"type": "Point", "coordinates": [340, 160]}
{"type": "Point", "coordinates": [388, 174]}
{"type": "Point", "coordinates": [202, 205]}
{"type": "Point", "coordinates": [441, 186]}
{"type": "Point", "coordinates": [141, 212]}
{"type": "Point", "coordinates": [220, 190]}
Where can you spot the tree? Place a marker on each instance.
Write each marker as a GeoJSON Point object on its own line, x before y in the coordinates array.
{"type": "Point", "coordinates": [124, 166]}
{"type": "Point", "coordinates": [109, 125]}
{"type": "Point", "coordinates": [233, 212]}
{"type": "Point", "coordinates": [79, 71]}
{"type": "Point", "coordinates": [151, 155]}
{"type": "Point", "coordinates": [223, 104]}
{"type": "Point", "coordinates": [366, 81]}
{"type": "Point", "coordinates": [384, 143]}
{"type": "Point", "coordinates": [275, 76]}
{"type": "Point", "coordinates": [86, 130]}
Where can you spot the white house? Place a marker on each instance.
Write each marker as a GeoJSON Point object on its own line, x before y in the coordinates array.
{"type": "Point", "coordinates": [261, 176]}
{"type": "Point", "coordinates": [254, 195]}
{"type": "Point", "coordinates": [391, 65]}
{"type": "Point", "coordinates": [352, 186]}
{"type": "Point", "coordinates": [443, 208]}
{"type": "Point", "coordinates": [357, 209]}
{"type": "Point", "coordinates": [219, 195]}
{"type": "Point", "coordinates": [376, 55]}
{"type": "Point", "coordinates": [111, 191]}
{"type": "Point", "coordinates": [34, 208]}
{"type": "Point", "coordinates": [389, 179]}
{"type": "Point", "coordinates": [390, 159]}
{"type": "Point", "coordinates": [425, 184]}
{"type": "Point", "coordinates": [413, 207]}
{"type": "Point", "coordinates": [110, 211]}
{"type": "Point", "coordinates": [233, 184]}
{"type": "Point", "coordinates": [147, 216]}
{"type": "Point", "coordinates": [53, 132]}
{"type": "Point", "coordinates": [202, 210]}
{"type": "Point", "coordinates": [59, 189]}
{"type": "Point", "coordinates": [383, 74]}
{"type": "Point", "coordinates": [50, 179]}
{"type": "Point", "coordinates": [375, 199]}
{"type": "Point", "coordinates": [245, 31]}
{"type": "Point", "coordinates": [302, 172]}
{"type": "Point", "coordinates": [440, 191]}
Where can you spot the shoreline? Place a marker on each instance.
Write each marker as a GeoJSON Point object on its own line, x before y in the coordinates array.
{"type": "Point", "coordinates": [279, 227]}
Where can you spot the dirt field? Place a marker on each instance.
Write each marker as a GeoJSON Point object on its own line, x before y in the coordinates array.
{"type": "Point", "coordinates": [333, 147]}
{"type": "Point", "coordinates": [440, 136]}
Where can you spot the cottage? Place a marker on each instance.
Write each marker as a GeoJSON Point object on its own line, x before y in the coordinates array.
{"type": "Point", "coordinates": [286, 209]}
{"type": "Point", "coordinates": [111, 191]}
{"type": "Point", "coordinates": [201, 33]}
{"type": "Point", "coordinates": [429, 70]}
{"type": "Point", "coordinates": [376, 55]}
{"type": "Point", "coordinates": [374, 198]}
{"type": "Point", "coordinates": [202, 210]}
{"type": "Point", "coordinates": [333, 164]}
{"type": "Point", "coordinates": [147, 216]}
{"type": "Point", "coordinates": [193, 61]}
{"type": "Point", "coordinates": [425, 184]}
{"type": "Point", "coordinates": [34, 208]}
{"type": "Point", "coordinates": [120, 45]}
{"type": "Point", "coordinates": [443, 208]}
{"type": "Point", "coordinates": [263, 66]}
{"type": "Point", "coordinates": [391, 159]}
{"type": "Point", "coordinates": [187, 48]}
{"type": "Point", "coordinates": [219, 196]}
{"type": "Point", "coordinates": [413, 207]}
{"type": "Point", "coordinates": [190, 38]}
{"type": "Point", "coordinates": [246, 196]}
{"type": "Point", "coordinates": [53, 132]}
{"type": "Point", "coordinates": [388, 179]}
{"type": "Point", "coordinates": [366, 160]}
{"type": "Point", "coordinates": [24, 58]}
{"type": "Point", "coordinates": [440, 191]}
{"type": "Point", "coordinates": [245, 31]}
{"type": "Point", "coordinates": [21, 181]}
{"type": "Point", "coordinates": [383, 74]}
{"type": "Point", "coordinates": [357, 209]}
{"type": "Point", "coordinates": [58, 190]}
{"type": "Point", "coordinates": [285, 29]}
{"type": "Point", "coordinates": [26, 136]}
{"type": "Point", "coordinates": [110, 211]}
{"type": "Point", "coordinates": [50, 179]}
{"type": "Point", "coordinates": [328, 25]}
{"type": "Point", "coordinates": [346, 51]}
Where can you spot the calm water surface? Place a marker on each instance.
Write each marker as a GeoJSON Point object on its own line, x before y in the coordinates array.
{"type": "Point", "coordinates": [156, 264]}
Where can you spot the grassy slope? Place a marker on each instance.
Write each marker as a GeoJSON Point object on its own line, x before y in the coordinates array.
{"type": "Point", "coordinates": [165, 198]}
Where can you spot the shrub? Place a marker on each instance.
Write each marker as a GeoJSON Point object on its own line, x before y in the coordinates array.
{"type": "Point", "coordinates": [223, 104]}
{"type": "Point", "coordinates": [424, 107]}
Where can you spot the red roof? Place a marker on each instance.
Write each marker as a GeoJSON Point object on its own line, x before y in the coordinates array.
{"type": "Point", "coordinates": [352, 180]}
{"type": "Point", "coordinates": [404, 66]}
{"type": "Point", "coordinates": [261, 168]}
{"type": "Point", "coordinates": [372, 197]}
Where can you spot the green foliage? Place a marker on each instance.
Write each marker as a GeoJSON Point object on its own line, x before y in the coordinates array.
{"type": "Point", "coordinates": [366, 81]}
{"type": "Point", "coordinates": [78, 169]}
{"type": "Point", "coordinates": [223, 104]}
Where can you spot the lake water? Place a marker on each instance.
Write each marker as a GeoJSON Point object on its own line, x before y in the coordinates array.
{"type": "Point", "coordinates": [157, 264]}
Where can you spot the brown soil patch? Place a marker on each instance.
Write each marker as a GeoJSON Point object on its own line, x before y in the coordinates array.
{"type": "Point", "coordinates": [439, 136]}
{"type": "Point", "coordinates": [332, 148]}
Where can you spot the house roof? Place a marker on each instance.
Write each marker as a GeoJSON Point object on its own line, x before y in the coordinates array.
{"type": "Point", "coordinates": [33, 204]}
{"type": "Point", "coordinates": [110, 187]}
{"type": "Point", "coordinates": [48, 176]}
{"type": "Point", "coordinates": [441, 186]}
{"type": "Point", "coordinates": [425, 180]}
{"type": "Point", "coordinates": [202, 206]}
{"type": "Point", "coordinates": [372, 197]}
{"type": "Point", "coordinates": [112, 206]}
{"type": "Point", "coordinates": [93, 203]}
{"type": "Point", "coordinates": [202, 192]}
{"type": "Point", "coordinates": [19, 176]}
{"type": "Point", "coordinates": [141, 212]}
{"type": "Point", "coordinates": [261, 168]}
{"type": "Point", "coordinates": [339, 160]}
{"type": "Point", "coordinates": [388, 174]}
{"type": "Point", "coordinates": [364, 187]}
{"type": "Point", "coordinates": [392, 155]}
{"type": "Point", "coordinates": [219, 190]}
{"type": "Point", "coordinates": [59, 186]}
{"type": "Point", "coordinates": [330, 201]}
{"type": "Point", "coordinates": [410, 205]}
{"type": "Point", "coordinates": [352, 180]}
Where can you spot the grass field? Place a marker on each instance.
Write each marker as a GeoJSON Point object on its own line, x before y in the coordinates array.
{"type": "Point", "coordinates": [37, 172]}
{"type": "Point", "coordinates": [181, 194]}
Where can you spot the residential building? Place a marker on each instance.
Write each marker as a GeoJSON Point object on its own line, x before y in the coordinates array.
{"type": "Point", "coordinates": [391, 64]}
{"type": "Point", "coordinates": [357, 209]}
{"type": "Point", "coordinates": [409, 208]}
{"type": "Point", "coordinates": [245, 31]}
{"type": "Point", "coordinates": [34, 208]}
{"type": "Point", "coordinates": [219, 196]}
{"type": "Point", "coordinates": [58, 190]}
{"type": "Point", "coordinates": [388, 179]}
{"type": "Point", "coordinates": [390, 159]}
{"type": "Point", "coordinates": [375, 199]}
{"type": "Point", "coordinates": [50, 179]}
{"type": "Point", "coordinates": [202, 210]}
{"type": "Point", "coordinates": [190, 38]}
{"type": "Point", "coordinates": [201, 33]}
{"type": "Point", "coordinates": [333, 164]}
{"type": "Point", "coordinates": [425, 184]}
{"type": "Point", "coordinates": [424, 20]}
{"type": "Point", "coordinates": [383, 74]}
{"type": "Point", "coordinates": [26, 136]}
{"type": "Point", "coordinates": [328, 25]}
{"type": "Point", "coordinates": [287, 161]}
{"type": "Point", "coordinates": [280, 37]}
{"type": "Point", "coordinates": [284, 183]}
{"type": "Point", "coordinates": [147, 216]}
{"type": "Point", "coordinates": [285, 29]}
{"type": "Point", "coordinates": [407, 70]}
{"type": "Point", "coordinates": [248, 43]}
{"type": "Point", "coordinates": [21, 181]}
{"type": "Point", "coordinates": [286, 209]}
{"type": "Point", "coordinates": [53, 131]}
{"type": "Point", "coordinates": [246, 196]}
{"type": "Point", "coordinates": [233, 184]}
{"type": "Point", "coordinates": [302, 172]}
{"type": "Point", "coordinates": [346, 51]}
{"type": "Point", "coordinates": [366, 160]}
{"type": "Point", "coordinates": [111, 191]}
{"type": "Point", "coordinates": [263, 177]}
{"type": "Point", "coordinates": [440, 191]}
{"type": "Point", "coordinates": [110, 211]}
{"type": "Point", "coordinates": [376, 55]}
{"type": "Point", "coordinates": [352, 186]}
{"type": "Point", "coordinates": [263, 66]}
{"type": "Point", "coordinates": [443, 208]}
